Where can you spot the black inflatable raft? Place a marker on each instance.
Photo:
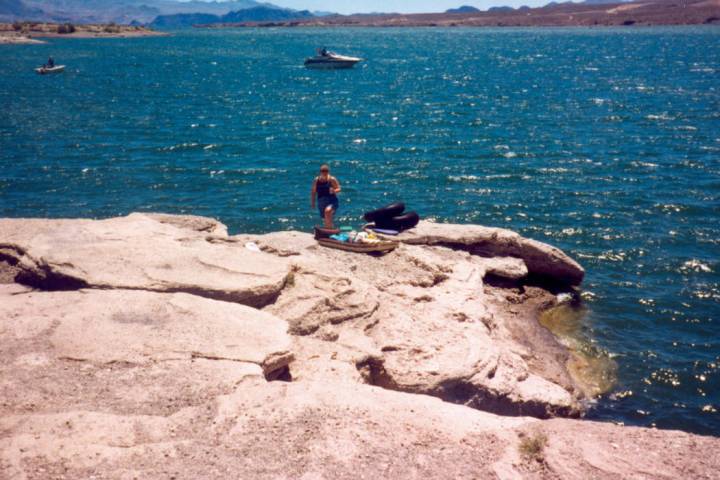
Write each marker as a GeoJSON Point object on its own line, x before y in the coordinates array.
{"type": "Point", "coordinates": [391, 217]}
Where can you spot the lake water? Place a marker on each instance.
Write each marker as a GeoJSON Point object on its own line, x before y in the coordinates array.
{"type": "Point", "coordinates": [604, 142]}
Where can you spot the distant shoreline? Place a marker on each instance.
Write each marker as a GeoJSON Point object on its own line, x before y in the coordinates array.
{"type": "Point", "coordinates": [30, 32]}
{"type": "Point", "coordinates": [103, 35]}
{"type": "Point", "coordinates": [18, 40]}
{"type": "Point", "coordinates": [646, 13]}
{"type": "Point", "coordinates": [262, 25]}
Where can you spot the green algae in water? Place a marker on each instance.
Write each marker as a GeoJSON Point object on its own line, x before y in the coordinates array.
{"type": "Point", "coordinates": [591, 367]}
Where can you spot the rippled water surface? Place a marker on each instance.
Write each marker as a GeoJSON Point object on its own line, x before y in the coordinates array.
{"type": "Point", "coordinates": [604, 142]}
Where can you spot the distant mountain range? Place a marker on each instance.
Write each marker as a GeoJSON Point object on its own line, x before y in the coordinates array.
{"type": "Point", "coordinates": [118, 11]}
{"type": "Point", "coordinates": [591, 13]}
{"type": "Point", "coordinates": [603, 2]}
{"type": "Point", "coordinates": [179, 14]}
{"type": "Point", "coordinates": [463, 9]}
{"type": "Point", "coordinates": [498, 9]}
{"type": "Point", "coordinates": [254, 14]}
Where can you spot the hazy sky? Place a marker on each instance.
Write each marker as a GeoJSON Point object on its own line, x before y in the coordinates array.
{"type": "Point", "coordinates": [403, 6]}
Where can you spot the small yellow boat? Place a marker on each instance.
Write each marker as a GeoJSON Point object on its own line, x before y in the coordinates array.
{"type": "Point", "coordinates": [377, 247]}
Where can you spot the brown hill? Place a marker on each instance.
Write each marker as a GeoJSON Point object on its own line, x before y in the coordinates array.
{"type": "Point", "coordinates": [652, 12]}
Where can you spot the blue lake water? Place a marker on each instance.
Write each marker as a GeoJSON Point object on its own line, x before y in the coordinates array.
{"type": "Point", "coordinates": [604, 142]}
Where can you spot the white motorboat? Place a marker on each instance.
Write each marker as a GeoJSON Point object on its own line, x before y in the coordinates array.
{"type": "Point", "coordinates": [44, 70]}
{"type": "Point", "coordinates": [331, 60]}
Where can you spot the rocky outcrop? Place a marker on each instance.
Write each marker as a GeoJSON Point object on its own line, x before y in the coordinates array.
{"type": "Point", "coordinates": [159, 253]}
{"type": "Point", "coordinates": [103, 327]}
{"type": "Point", "coordinates": [419, 320]}
{"type": "Point", "coordinates": [540, 258]}
{"type": "Point", "coordinates": [150, 346]}
{"type": "Point", "coordinates": [343, 431]}
{"type": "Point", "coordinates": [130, 351]}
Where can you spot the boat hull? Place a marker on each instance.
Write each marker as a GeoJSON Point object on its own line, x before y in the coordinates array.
{"type": "Point", "coordinates": [376, 248]}
{"type": "Point", "coordinates": [49, 71]}
{"type": "Point", "coordinates": [330, 64]}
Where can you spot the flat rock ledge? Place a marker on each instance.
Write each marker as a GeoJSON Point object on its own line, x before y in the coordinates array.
{"type": "Point", "coordinates": [159, 253]}
{"type": "Point", "coordinates": [541, 259]}
{"type": "Point", "coordinates": [157, 346]}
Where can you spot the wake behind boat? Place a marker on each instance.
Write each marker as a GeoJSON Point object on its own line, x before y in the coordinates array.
{"type": "Point", "coordinates": [330, 60]}
{"type": "Point", "coordinates": [44, 70]}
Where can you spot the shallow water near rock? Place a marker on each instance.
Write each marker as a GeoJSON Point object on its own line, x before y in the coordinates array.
{"type": "Point", "coordinates": [603, 142]}
{"type": "Point", "coordinates": [591, 366]}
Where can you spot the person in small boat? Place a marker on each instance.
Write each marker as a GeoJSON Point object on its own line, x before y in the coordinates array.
{"type": "Point", "coordinates": [324, 52]}
{"type": "Point", "coordinates": [324, 192]}
{"type": "Point", "coordinates": [50, 63]}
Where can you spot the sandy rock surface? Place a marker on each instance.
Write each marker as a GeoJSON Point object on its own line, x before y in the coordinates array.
{"type": "Point", "coordinates": [337, 431]}
{"type": "Point", "coordinates": [354, 366]}
{"type": "Point", "coordinates": [136, 327]}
